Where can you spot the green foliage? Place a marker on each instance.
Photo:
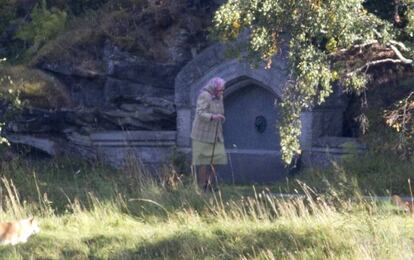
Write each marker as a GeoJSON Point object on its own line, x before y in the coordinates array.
{"type": "Point", "coordinates": [407, 11]}
{"type": "Point", "coordinates": [318, 33]}
{"type": "Point", "coordinates": [29, 25]}
{"type": "Point", "coordinates": [43, 26]}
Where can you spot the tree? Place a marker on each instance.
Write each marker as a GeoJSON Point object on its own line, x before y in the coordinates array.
{"type": "Point", "coordinates": [329, 42]}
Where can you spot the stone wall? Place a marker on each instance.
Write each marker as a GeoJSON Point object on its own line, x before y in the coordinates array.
{"type": "Point", "coordinates": [151, 148]}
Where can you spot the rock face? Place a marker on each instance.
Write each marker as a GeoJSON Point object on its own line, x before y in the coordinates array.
{"type": "Point", "coordinates": [131, 93]}
{"type": "Point", "coordinates": [112, 88]}
{"type": "Point", "coordinates": [115, 75]}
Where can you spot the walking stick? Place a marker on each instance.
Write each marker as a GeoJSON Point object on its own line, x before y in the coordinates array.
{"type": "Point", "coordinates": [213, 170]}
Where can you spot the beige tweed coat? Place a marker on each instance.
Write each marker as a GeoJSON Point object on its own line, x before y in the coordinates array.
{"type": "Point", "coordinates": [204, 129]}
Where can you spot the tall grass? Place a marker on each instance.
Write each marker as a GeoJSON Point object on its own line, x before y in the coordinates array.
{"type": "Point", "coordinates": [98, 212]}
{"type": "Point", "coordinates": [368, 174]}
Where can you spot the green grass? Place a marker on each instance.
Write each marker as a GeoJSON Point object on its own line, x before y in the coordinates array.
{"type": "Point", "coordinates": [369, 174]}
{"type": "Point", "coordinates": [186, 236]}
{"type": "Point", "coordinates": [98, 212]}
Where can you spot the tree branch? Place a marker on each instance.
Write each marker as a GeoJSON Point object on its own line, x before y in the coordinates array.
{"type": "Point", "coordinates": [400, 56]}
{"type": "Point", "coordinates": [400, 45]}
{"type": "Point", "coordinates": [373, 63]}
{"type": "Point", "coordinates": [358, 46]}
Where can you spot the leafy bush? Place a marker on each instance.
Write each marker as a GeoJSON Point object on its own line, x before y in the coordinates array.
{"type": "Point", "coordinates": [44, 25]}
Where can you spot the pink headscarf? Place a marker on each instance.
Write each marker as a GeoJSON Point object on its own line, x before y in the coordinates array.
{"type": "Point", "coordinates": [213, 85]}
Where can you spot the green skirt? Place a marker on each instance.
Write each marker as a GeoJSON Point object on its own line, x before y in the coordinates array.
{"type": "Point", "coordinates": [202, 153]}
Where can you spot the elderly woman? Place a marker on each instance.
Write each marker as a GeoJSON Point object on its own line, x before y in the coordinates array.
{"type": "Point", "coordinates": [207, 132]}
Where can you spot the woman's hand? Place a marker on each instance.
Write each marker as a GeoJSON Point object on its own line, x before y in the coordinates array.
{"type": "Point", "coordinates": [217, 117]}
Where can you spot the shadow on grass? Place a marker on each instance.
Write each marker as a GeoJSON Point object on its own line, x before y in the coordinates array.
{"type": "Point", "coordinates": [228, 245]}
{"type": "Point", "coordinates": [45, 248]}
{"type": "Point", "coordinates": [189, 244]}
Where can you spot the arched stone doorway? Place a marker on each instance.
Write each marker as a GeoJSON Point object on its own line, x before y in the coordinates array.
{"type": "Point", "coordinates": [251, 136]}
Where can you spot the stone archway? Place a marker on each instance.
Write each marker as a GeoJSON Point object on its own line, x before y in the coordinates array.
{"type": "Point", "coordinates": [254, 153]}
{"type": "Point", "coordinates": [212, 62]}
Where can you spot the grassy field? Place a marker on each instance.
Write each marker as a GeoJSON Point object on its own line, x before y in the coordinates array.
{"type": "Point", "coordinates": [98, 212]}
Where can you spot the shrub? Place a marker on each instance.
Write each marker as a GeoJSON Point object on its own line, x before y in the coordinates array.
{"type": "Point", "coordinates": [44, 25]}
